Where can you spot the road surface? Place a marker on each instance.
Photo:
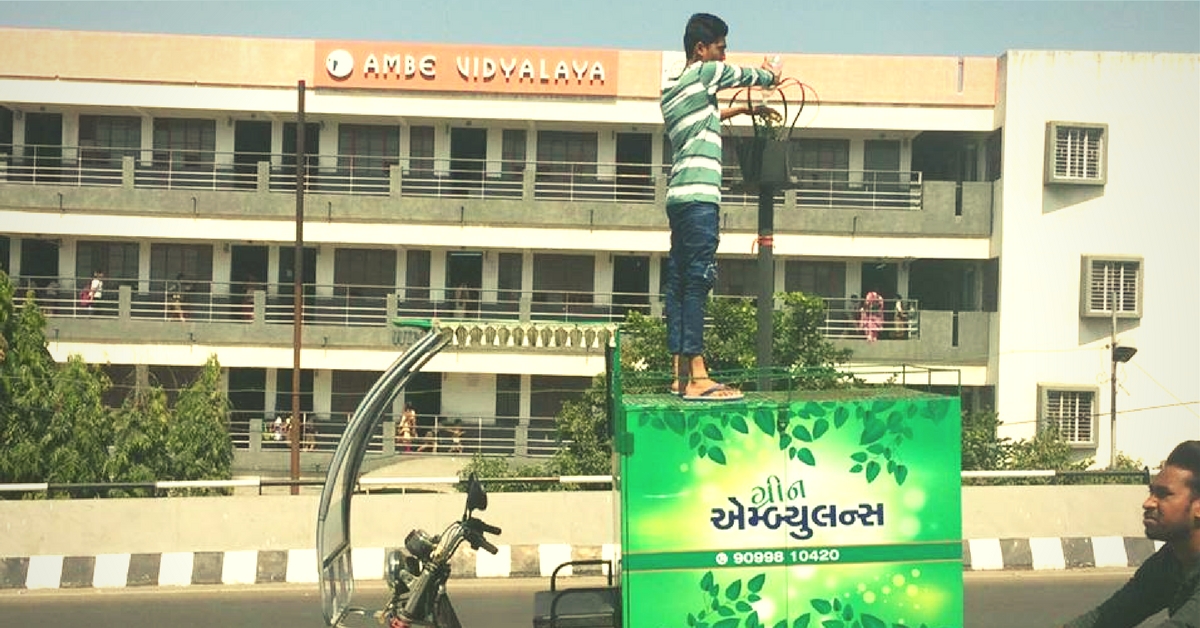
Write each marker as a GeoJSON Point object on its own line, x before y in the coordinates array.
{"type": "Point", "coordinates": [993, 600]}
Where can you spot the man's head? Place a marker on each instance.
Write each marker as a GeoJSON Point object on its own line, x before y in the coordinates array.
{"type": "Point", "coordinates": [1172, 511]}
{"type": "Point", "coordinates": [704, 38]}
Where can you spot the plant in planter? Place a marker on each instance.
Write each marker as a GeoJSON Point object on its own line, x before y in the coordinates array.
{"type": "Point", "coordinates": [763, 156]}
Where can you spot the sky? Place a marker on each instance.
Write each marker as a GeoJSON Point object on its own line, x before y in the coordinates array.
{"type": "Point", "coordinates": [893, 27]}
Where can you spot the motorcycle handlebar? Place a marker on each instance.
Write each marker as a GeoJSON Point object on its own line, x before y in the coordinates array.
{"type": "Point", "coordinates": [492, 549]}
{"type": "Point", "coordinates": [483, 527]}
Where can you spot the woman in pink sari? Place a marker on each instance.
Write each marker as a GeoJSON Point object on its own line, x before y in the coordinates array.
{"type": "Point", "coordinates": [870, 316]}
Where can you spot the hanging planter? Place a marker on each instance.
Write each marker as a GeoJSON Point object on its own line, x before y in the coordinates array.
{"type": "Point", "coordinates": [764, 156]}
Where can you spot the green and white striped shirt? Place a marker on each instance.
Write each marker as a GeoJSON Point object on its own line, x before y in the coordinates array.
{"type": "Point", "coordinates": [693, 122]}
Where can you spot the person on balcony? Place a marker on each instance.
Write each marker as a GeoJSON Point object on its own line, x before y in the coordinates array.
{"type": "Point", "coordinates": [693, 122]}
{"type": "Point", "coordinates": [899, 316]}
{"type": "Point", "coordinates": [175, 298]}
{"type": "Point", "coordinates": [93, 292]}
{"type": "Point", "coordinates": [406, 429]}
{"type": "Point", "coordinates": [870, 316]}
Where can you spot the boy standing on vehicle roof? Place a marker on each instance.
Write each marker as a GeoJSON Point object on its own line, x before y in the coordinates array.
{"type": "Point", "coordinates": [693, 124]}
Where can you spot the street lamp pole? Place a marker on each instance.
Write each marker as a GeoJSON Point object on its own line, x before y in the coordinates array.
{"type": "Point", "coordinates": [298, 290]}
{"type": "Point", "coordinates": [766, 284]}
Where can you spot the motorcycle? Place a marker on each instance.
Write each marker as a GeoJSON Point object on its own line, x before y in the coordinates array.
{"type": "Point", "coordinates": [417, 574]}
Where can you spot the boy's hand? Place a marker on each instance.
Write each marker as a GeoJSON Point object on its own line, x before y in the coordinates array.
{"type": "Point", "coordinates": [774, 66]}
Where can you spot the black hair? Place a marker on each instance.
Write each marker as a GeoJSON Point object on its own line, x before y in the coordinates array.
{"type": "Point", "coordinates": [1187, 456]}
{"type": "Point", "coordinates": [702, 28]}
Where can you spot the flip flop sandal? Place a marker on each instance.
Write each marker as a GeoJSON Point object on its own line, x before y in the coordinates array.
{"type": "Point", "coordinates": [673, 389]}
{"type": "Point", "coordinates": [707, 395]}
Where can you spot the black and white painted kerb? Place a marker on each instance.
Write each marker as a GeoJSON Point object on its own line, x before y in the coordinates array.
{"type": "Point", "coordinates": [513, 561]}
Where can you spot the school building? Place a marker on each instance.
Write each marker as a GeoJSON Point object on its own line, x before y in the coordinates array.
{"type": "Point", "coordinates": [1010, 205]}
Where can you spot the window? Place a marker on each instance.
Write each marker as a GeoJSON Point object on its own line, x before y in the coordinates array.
{"type": "Point", "coordinates": [104, 140]}
{"type": "Point", "coordinates": [420, 150]}
{"type": "Point", "coordinates": [365, 272]}
{"type": "Point", "coordinates": [184, 143]}
{"type": "Point", "coordinates": [509, 277]}
{"type": "Point", "coordinates": [561, 152]}
{"type": "Point", "coordinates": [416, 275]}
{"type": "Point", "coordinates": [512, 153]}
{"type": "Point", "coordinates": [368, 150]}
{"type": "Point", "coordinates": [736, 277]}
{"type": "Point", "coordinates": [563, 278]}
{"type": "Point", "coordinates": [548, 393]}
{"type": "Point", "coordinates": [508, 395]}
{"type": "Point", "coordinates": [1070, 411]}
{"type": "Point", "coordinates": [1076, 153]}
{"type": "Point", "coordinates": [118, 260]}
{"type": "Point", "coordinates": [821, 159]}
{"type": "Point", "coordinates": [822, 279]}
{"type": "Point", "coordinates": [1109, 283]}
{"type": "Point", "coordinates": [169, 260]}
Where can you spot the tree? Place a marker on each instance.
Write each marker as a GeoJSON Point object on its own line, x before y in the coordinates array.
{"type": "Point", "coordinates": [26, 380]}
{"type": "Point", "coordinates": [75, 438]}
{"type": "Point", "coordinates": [798, 346]}
{"type": "Point", "coordinates": [198, 434]}
{"type": "Point", "coordinates": [139, 436]}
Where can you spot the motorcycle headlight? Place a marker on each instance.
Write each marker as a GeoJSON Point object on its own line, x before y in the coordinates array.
{"type": "Point", "coordinates": [419, 544]}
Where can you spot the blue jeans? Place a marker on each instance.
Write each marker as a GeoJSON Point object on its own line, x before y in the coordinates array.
{"type": "Point", "coordinates": [691, 273]}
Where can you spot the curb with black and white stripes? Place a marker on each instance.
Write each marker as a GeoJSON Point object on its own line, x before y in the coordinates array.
{"type": "Point", "coordinates": [299, 566]}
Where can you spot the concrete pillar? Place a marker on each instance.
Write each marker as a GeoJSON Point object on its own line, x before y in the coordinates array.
{"type": "Point", "coordinates": [491, 276]}
{"type": "Point", "coordinates": [128, 171]}
{"type": "Point", "coordinates": [854, 277]}
{"type": "Point", "coordinates": [272, 278]}
{"type": "Point", "coordinates": [526, 285]}
{"type": "Point", "coordinates": [322, 393]}
{"type": "Point", "coordinates": [256, 432]}
{"type": "Point", "coordinates": [147, 157]}
{"type": "Point", "coordinates": [325, 263]}
{"type": "Point", "coordinates": [263, 177]}
{"type": "Point", "coordinates": [401, 273]}
{"type": "Point", "coordinates": [144, 266]}
{"type": "Point", "coordinates": [495, 151]}
{"type": "Point", "coordinates": [14, 259]}
{"type": "Point", "coordinates": [66, 265]}
{"type": "Point", "coordinates": [526, 399]}
{"type": "Point", "coordinates": [141, 377]}
{"type": "Point", "coordinates": [437, 274]}
{"type": "Point", "coordinates": [277, 142]}
{"type": "Point", "coordinates": [272, 389]}
{"type": "Point", "coordinates": [441, 149]}
{"type": "Point", "coordinates": [606, 155]}
{"type": "Point", "coordinates": [603, 279]}
{"type": "Point", "coordinates": [222, 268]}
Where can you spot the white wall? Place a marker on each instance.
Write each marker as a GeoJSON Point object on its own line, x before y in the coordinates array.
{"type": "Point", "coordinates": [1150, 208]}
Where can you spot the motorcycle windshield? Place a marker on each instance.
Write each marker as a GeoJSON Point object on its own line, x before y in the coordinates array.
{"type": "Point", "coordinates": [333, 513]}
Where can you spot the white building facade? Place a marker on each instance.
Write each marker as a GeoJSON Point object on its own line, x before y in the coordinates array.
{"type": "Point", "coordinates": [518, 191]}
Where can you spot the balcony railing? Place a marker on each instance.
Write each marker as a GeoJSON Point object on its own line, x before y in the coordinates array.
{"type": "Point", "coordinates": [374, 175]}
{"type": "Point", "coordinates": [487, 318]}
{"type": "Point", "coordinates": [436, 435]}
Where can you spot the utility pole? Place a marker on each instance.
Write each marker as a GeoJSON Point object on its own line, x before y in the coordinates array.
{"type": "Point", "coordinates": [298, 290]}
{"type": "Point", "coordinates": [1112, 400]}
{"type": "Point", "coordinates": [766, 284]}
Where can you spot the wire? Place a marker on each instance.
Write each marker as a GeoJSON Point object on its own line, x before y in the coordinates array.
{"type": "Point", "coordinates": [1165, 389]}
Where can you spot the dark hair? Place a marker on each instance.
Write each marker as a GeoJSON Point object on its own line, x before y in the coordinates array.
{"type": "Point", "coordinates": [1187, 456]}
{"type": "Point", "coordinates": [703, 28]}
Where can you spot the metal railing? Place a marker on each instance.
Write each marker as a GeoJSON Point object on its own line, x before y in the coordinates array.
{"type": "Point", "coordinates": [821, 188]}
{"type": "Point", "coordinates": [378, 175]}
{"type": "Point", "coordinates": [351, 305]}
{"type": "Point", "coordinates": [435, 435]}
{"type": "Point", "coordinates": [366, 484]}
